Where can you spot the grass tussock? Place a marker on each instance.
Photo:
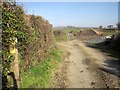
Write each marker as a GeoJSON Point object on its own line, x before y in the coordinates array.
{"type": "Point", "coordinates": [60, 35]}
{"type": "Point", "coordinates": [40, 76]}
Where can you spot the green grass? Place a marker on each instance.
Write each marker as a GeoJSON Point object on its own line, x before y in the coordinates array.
{"type": "Point", "coordinates": [61, 38]}
{"type": "Point", "coordinates": [109, 33]}
{"type": "Point", "coordinates": [39, 76]}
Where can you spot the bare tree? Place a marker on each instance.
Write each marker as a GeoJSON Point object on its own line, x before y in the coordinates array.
{"type": "Point", "coordinates": [118, 25]}
{"type": "Point", "coordinates": [110, 26]}
{"type": "Point", "coordinates": [100, 27]}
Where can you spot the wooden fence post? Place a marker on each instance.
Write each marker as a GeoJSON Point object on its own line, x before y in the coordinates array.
{"type": "Point", "coordinates": [14, 67]}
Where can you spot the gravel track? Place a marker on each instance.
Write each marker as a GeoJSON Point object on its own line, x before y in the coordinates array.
{"type": "Point", "coordinates": [82, 68]}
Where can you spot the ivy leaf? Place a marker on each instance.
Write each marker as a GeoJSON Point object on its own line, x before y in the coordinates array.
{"type": "Point", "coordinates": [11, 58]}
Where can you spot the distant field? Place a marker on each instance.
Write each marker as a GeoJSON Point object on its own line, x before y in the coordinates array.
{"type": "Point", "coordinates": [108, 32]}
{"type": "Point", "coordinates": [85, 32]}
{"type": "Point", "coordinates": [74, 29]}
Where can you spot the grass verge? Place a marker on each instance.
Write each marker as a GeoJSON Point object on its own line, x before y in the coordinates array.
{"type": "Point", "coordinates": [40, 76]}
{"type": "Point", "coordinates": [107, 33]}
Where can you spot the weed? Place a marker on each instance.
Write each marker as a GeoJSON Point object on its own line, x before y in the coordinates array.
{"type": "Point", "coordinates": [40, 75]}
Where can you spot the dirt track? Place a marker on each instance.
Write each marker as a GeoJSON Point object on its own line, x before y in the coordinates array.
{"type": "Point", "coordinates": [78, 74]}
{"type": "Point", "coordinates": [82, 68]}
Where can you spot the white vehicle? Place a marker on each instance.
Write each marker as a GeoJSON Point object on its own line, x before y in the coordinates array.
{"type": "Point", "coordinates": [108, 39]}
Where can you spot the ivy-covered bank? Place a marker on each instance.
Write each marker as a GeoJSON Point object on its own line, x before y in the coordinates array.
{"type": "Point", "coordinates": [14, 37]}
{"type": "Point", "coordinates": [26, 40]}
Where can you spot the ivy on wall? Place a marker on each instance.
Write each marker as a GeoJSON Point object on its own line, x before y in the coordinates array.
{"type": "Point", "coordinates": [33, 33]}
{"type": "Point", "coordinates": [13, 26]}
